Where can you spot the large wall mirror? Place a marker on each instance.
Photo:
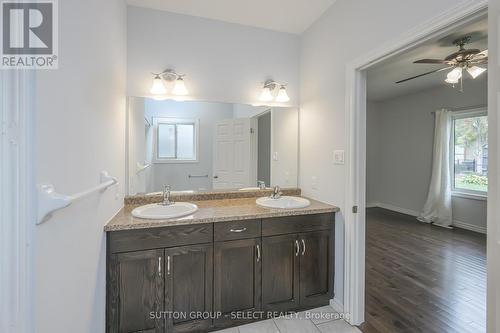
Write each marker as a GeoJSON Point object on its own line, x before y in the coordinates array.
{"type": "Point", "coordinates": [207, 146]}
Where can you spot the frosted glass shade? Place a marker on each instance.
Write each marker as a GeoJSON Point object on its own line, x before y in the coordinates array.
{"type": "Point", "coordinates": [282, 95]}
{"type": "Point", "coordinates": [180, 88]}
{"type": "Point", "coordinates": [266, 95]}
{"type": "Point", "coordinates": [158, 88]}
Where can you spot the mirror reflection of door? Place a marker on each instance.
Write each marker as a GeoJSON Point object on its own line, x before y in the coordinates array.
{"type": "Point", "coordinates": [264, 148]}
{"type": "Point", "coordinates": [232, 147]}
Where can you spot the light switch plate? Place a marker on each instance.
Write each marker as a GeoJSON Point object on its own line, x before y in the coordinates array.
{"type": "Point", "coordinates": [275, 156]}
{"type": "Point", "coordinates": [338, 156]}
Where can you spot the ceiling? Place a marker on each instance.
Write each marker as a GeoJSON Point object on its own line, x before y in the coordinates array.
{"type": "Point", "coordinates": [292, 16]}
{"type": "Point", "coordinates": [382, 77]}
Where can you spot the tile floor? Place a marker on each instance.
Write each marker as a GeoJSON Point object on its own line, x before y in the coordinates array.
{"type": "Point", "coordinates": [320, 320]}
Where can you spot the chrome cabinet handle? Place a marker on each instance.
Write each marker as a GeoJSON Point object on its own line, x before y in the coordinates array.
{"type": "Point", "coordinates": [159, 266]}
{"type": "Point", "coordinates": [238, 230]}
{"type": "Point", "coordinates": [303, 247]}
{"type": "Point", "coordinates": [296, 248]}
{"type": "Point", "coordinates": [258, 252]}
{"type": "Point", "coordinates": [168, 265]}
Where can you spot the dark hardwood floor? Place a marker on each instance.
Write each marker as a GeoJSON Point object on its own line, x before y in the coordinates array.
{"type": "Point", "coordinates": [422, 278]}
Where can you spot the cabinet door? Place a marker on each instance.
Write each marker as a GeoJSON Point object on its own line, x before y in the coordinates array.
{"type": "Point", "coordinates": [237, 278]}
{"type": "Point", "coordinates": [316, 268]}
{"type": "Point", "coordinates": [280, 273]}
{"type": "Point", "coordinates": [188, 287]}
{"type": "Point", "coordinates": [135, 292]}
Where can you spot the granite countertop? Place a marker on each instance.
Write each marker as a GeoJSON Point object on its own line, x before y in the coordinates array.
{"type": "Point", "coordinates": [211, 211]}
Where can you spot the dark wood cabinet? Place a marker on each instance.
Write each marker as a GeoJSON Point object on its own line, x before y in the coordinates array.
{"type": "Point", "coordinates": [135, 292]}
{"type": "Point", "coordinates": [178, 279]}
{"type": "Point", "coordinates": [188, 287]}
{"type": "Point", "coordinates": [237, 278]}
{"type": "Point", "coordinates": [280, 273]}
{"type": "Point", "coordinates": [316, 271]}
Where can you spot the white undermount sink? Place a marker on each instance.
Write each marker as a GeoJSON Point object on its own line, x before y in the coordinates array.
{"type": "Point", "coordinates": [159, 211]}
{"type": "Point", "coordinates": [284, 202]}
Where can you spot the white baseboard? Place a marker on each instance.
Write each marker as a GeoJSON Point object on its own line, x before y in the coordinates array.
{"type": "Point", "coordinates": [456, 223]}
{"type": "Point", "coordinates": [337, 305]}
{"type": "Point", "coordinates": [393, 208]}
{"type": "Point", "coordinates": [467, 226]}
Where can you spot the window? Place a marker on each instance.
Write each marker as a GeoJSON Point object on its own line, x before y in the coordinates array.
{"type": "Point", "coordinates": [176, 140]}
{"type": "Point", "coordinates": [470, 152]}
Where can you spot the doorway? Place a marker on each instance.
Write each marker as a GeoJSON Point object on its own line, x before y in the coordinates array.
{"type": "Point", "coordinates": [355, 191]}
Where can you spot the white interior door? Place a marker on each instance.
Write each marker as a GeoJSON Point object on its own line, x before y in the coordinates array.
{"type": "Point", "coordinates": [232, 149]}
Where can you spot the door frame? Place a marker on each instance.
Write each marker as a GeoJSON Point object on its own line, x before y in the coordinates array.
{"type": "Point", "coordinates": [355, 126]}
{"type": "Point", "coordinates": [17, 199]}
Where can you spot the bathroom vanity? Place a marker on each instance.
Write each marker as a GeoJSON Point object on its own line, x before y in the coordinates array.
{"type": "Point", "coordinates": [230, 263]}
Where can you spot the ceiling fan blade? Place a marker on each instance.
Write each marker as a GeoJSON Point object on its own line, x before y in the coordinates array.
{"type": "Point", "coordinates": [430, 61]}
{"type": "Point", "coordinates": [478, 61]}
{"type": "Point", "coordinates": [427, 73]}
{"type": "Point", "coordinates": [483, 54]}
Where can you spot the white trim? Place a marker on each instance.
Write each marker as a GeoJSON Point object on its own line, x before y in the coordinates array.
{"type": "Point", "coordinates": [472, 196]}
{"type": "Point", "coordinates": [17, 200]}
{"type": "Point", "coordinates": [337, 305]}
{"type": "Point", "coordinates": [355, 189]}
{"type": "Point", "coordinates": [467, 226]}
{"type": "Point", "coordinates": [414, 213]}
{"type": "Point", "coordinates": [396, 209]}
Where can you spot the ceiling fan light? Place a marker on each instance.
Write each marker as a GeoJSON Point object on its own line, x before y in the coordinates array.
{"type": "Point", "coordinates": [266, 95]}
{"type": "Point", "coordinates": [475, 71]}
{"type": "Point", "coordinates": [454, 75]}
{"type": "Point", "coordinates": [158, 88]}
{"type": "Point", "coordinates": [282, 95]}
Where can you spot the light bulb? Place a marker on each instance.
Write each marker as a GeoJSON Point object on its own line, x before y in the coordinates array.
{"type": "Point", "coordinates": [454, 75]}
{"type": "Point", "coordinates": [180, 87]}
{"type": "Point", "coordinates": [475, 71]}
{"type": "Point", "coordinates": [158, 88]}
{"type": "Point", "coordinates": [266, 95]}
{"type": "Point", "coordinates": [282, 95]}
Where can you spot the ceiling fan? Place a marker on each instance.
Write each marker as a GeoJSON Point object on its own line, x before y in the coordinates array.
{"type": "Point", "coordinates": [464, 59]}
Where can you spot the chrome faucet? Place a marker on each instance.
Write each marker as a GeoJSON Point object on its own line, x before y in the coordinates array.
{"type": "Point", "coordinates": [166, 196]}
{"type": "Point", "coordinates": [261, 184]}
{"type": "Point", "coordinates": [276, 192]}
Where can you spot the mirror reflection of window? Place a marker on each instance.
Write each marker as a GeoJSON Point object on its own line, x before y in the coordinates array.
{"type": "Point", "coordinates": [175, 139]}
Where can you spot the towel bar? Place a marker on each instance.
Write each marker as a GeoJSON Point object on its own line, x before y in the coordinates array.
{"type": "Point", "coordinates": [49, 200]}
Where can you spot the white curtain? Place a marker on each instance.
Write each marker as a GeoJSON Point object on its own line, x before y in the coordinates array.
{"type": "Point", "coordinates": [437, 208]}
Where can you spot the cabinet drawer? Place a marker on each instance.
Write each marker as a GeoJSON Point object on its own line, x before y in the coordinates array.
{"type": "Point", "coordinates": [236, 230]}
{"type": "Point", "coordinates": [297, 224]}
{"type": "Point", "coordinates": [153, 238]}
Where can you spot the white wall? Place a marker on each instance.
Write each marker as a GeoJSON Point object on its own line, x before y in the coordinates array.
{"type": "Point", "coordinates": [136, 145]}
{"type": "Point", "coordinates": [80, 131]}
{"type": "Point", "coordinates": [224, 62]}
{"type": "Point", "coordinates": [348, 30]}
{"type": "Point", "coordinates": [493, 251]}
{"type": "Point", "coordinates": [399, 143]}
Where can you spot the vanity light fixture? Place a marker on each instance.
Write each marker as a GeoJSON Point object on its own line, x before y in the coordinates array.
{"type": "Point", "coordinates": [158, 87]}
{"type": "Point", "coordinates": [180, 87]}
{"type": "Point", "coordinates": [282, 95]}
{"type": "Point", "coordinates": [267, 92]}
